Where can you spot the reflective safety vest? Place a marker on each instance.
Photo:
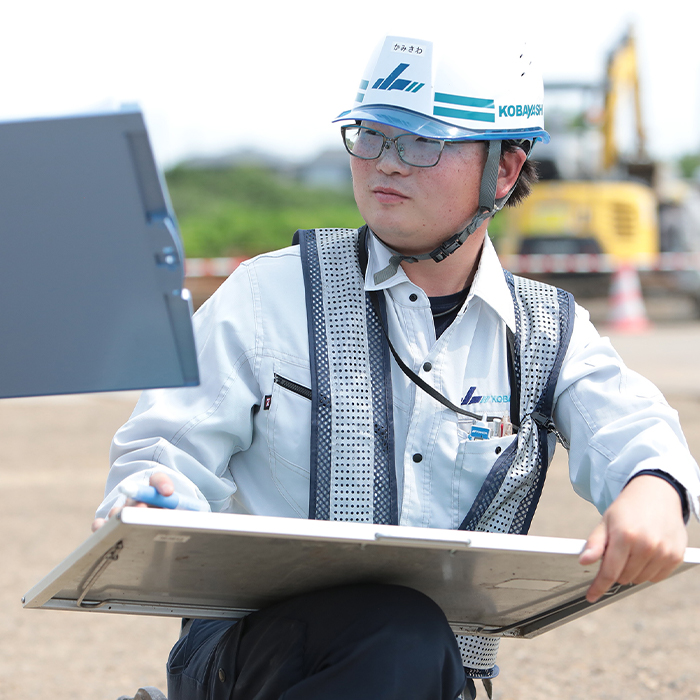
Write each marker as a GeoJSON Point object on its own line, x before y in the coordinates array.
{"type": "Point", "coordinates": [352, 447]}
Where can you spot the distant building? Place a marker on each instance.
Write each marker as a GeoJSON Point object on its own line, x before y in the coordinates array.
{"type": "Point", "coordinates": [330, 168]}
{"type": "Point", "coordinates": [242, 157]}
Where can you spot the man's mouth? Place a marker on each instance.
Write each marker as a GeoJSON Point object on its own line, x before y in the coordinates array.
{"type": "Point", "coordinates": [388, 195]}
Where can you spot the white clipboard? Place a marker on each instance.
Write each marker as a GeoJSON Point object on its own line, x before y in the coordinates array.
{"type": "Point", "coordinates": [214, 565]}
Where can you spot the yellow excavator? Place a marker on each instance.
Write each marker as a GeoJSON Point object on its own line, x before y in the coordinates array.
{"type": "Point", "coordinates": [581, 206]}
{"type": "Point", "coordinates": [592, 197]}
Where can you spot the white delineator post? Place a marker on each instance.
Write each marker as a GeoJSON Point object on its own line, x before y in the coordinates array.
{"type": "Point", "coordinates": [627, 313]}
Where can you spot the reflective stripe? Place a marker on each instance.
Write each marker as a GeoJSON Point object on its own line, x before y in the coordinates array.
{"type": "Point", "coordinates": [461, 114]}
{"type": "Point", "coordinates": [464, 101]}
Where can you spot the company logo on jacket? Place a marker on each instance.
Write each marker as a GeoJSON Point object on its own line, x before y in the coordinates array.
{"type": "Point", "coordinates": [471, 398]}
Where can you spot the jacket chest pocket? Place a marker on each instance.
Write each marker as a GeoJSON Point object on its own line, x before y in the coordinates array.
{"type": "Point", "coordinates": [294, 387]}
{"type": "Point", "coordinates": [288, 411]}
{"type": "Point", "coordinates": [475, 460]}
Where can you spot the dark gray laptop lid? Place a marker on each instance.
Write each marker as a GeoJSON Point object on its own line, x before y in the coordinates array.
{"type": "Point", "coordinates": [91, 264]}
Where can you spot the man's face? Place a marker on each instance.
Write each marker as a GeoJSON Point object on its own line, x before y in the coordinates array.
{"type": "Point", "coordinates": [413, 209]}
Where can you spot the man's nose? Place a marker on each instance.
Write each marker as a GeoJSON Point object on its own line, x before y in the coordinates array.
{"type": "Point", "coordinates": [389, 159]}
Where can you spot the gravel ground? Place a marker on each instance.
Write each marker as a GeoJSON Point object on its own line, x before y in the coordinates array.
{"type": "Point", "coordinates": [53, 461]}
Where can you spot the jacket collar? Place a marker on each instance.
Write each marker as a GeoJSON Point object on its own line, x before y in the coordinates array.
{"type": "Point", "coordinates": [489, 282]}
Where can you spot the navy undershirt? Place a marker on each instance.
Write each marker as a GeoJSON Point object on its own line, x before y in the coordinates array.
{"type": "Point", "coordinates": [445, 309]}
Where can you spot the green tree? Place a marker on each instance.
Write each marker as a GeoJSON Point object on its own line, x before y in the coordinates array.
{"type": "Point", "coordinates": [246, 210]}
{"type": "Point", "coordinates": [689, 164]}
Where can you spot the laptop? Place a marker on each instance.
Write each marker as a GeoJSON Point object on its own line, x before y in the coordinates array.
{"type": "Point", "coordinates": [91, 263]}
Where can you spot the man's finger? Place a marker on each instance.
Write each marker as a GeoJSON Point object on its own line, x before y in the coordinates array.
{"type": "Point", "coordinates": [595, 545]}
{"type": "Point", "coordinates": [162, 483]}
{"type": "Point", "coordinates": [605, 578]}
{"type": "Point", "coordinates": [97, 523]}
{"type": "Point", "coordinates": [615, 559]}
{"type": "Point", "coordinates": [613, 556]}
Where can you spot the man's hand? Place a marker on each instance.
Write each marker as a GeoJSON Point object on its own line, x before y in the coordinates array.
{"type": "Point", "coordinates": [642, 536]}
{"type": "Point", "coordinates": [161, 482]}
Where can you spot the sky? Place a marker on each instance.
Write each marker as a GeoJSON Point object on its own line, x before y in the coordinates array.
{"type": "Point", "coordinates": [214, 76]}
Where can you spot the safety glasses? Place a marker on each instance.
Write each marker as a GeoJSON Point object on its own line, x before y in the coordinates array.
{"type": "Point", "coordinates": [368, 144]}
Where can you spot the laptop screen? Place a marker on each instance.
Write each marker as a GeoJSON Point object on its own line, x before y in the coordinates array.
{"type": "Point", "coordinates": [91, 264]}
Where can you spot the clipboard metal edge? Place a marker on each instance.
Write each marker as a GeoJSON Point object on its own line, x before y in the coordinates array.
{"type": "Point", "coordinates": [562, 614]}
{"type": "Point", "coordinates": [149, 609]}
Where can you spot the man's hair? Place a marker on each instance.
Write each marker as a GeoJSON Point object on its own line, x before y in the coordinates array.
{"type": "Point", "coordinates": [528, 173]}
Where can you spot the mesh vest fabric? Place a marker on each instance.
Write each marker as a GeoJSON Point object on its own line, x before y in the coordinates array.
{"type": "Point", "coordinates": [352, 451]}
{"type": "Point", "coordinates": [352, 456]}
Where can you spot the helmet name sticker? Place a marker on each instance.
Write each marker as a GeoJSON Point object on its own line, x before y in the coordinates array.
{"type": "Point", "coordinates": [414, 49]}
{"type": "Point", "coordinates": [520, 110]}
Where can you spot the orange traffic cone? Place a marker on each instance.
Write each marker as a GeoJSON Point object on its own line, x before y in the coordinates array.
{"type": "Point", "coordinates": [626, 312]}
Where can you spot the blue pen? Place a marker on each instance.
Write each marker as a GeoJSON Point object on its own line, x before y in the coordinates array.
{"type": "Point", "coordinates": [149, 495]}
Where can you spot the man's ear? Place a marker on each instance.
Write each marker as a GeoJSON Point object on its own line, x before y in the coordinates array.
{"type": "Point", "coordinates": [509, 168]}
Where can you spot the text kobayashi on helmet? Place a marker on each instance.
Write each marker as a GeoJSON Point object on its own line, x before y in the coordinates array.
{"type": "Point", "coordinates": [457, 92]}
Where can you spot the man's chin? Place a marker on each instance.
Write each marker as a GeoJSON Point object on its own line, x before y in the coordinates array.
{"type": "Point", "coordinates": [400, 242]}
{"type": "Point", "coordinates": [407, 244]}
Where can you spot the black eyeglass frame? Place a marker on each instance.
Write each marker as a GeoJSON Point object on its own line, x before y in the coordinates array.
{"type": "Point", "coordinates": [386, 144]}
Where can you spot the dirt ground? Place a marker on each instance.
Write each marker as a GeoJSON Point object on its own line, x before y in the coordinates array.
{"type": "Point", "coordinates": [53, 463]}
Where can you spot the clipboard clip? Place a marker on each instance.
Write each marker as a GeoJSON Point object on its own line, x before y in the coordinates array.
{"type": "Point", "coordinates": [107, 558]}
{"type": "Point", "coordinates": [419, 541]}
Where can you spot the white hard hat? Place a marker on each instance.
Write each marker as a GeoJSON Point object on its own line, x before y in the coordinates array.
{"type": "Point", "coordinates": [452, 90]}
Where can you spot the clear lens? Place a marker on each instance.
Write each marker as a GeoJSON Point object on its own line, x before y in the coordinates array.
{"type": "Point", "coordinates": [368, 144]}
{"type": "Point", "coordinates": [362, 142]}
{"type": "Point", "coordinates": [419, 151]}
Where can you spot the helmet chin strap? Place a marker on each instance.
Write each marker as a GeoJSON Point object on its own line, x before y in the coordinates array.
{"type": "Point", "coordinates": [488, 206]}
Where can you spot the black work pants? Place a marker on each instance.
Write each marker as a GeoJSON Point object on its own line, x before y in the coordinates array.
{"type": "Point", "coordinates": [362, 642]}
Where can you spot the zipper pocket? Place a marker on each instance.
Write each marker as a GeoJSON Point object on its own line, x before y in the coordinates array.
{"type": "Point", "coordinates": [293, 387]}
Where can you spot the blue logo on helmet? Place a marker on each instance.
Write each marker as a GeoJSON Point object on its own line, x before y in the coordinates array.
{"type": "Point", "coordinates": [393, 82]}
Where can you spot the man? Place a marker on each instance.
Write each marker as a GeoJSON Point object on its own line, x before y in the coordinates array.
{"type": "Point", "coordinates": [395, 374]}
